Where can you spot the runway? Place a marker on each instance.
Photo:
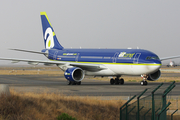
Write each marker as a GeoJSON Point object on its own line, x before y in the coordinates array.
{"type": "Point", "coordinates": [89, 86]}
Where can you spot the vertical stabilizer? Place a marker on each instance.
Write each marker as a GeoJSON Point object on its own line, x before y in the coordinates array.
{"type": "Point", "coordinates": [50, 39]}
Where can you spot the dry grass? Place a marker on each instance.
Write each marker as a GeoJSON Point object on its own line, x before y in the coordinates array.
{"type": "Point", "coordinates": [30, 106]}
{"type": "Point", "coordinates": [53, 71]}
{"type": "Point", "coordinates": [48, 106]}
{"type": "Point", "coordinates": [30, 72]}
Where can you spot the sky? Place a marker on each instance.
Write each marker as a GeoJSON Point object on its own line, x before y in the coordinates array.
{"type": "Point", "coordinates": [151, 25]}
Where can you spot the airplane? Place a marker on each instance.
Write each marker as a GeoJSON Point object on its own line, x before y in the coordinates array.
{"type": "Point", "coordinates": [76, 63]}
{"type": "Point", "coordinates": [172, 64]}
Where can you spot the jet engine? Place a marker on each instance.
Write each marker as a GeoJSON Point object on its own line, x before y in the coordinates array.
{"type": "Point", "coordinates": [74, 74]}
{"type": "Point", "coordinates": [154, 76]}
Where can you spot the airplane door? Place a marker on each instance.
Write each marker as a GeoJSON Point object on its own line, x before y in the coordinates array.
{"type": "Point", "coordinates": [55, 55]}
{"type": "Point", "coordinates": [115, 57]}
{"type": "Point", "coordinates": [136, 57]}
{"type": "Point", "coordinates": [76, 59]}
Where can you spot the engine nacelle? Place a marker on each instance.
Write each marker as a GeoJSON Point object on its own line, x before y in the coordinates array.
{"type": "Point", "coordinates": [74, 74]}
{"type": "Point", "coordinates": [154, 76]}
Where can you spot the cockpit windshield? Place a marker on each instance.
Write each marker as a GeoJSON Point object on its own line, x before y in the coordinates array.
{"type": "Point", "coordinates": [152, 58]}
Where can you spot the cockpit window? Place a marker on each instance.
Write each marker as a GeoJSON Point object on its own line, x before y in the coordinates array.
{"type": "Point", "coordinates": [152, 58]}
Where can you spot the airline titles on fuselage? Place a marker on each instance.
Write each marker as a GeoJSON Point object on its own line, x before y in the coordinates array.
{"type": "Point", "coordinates": [125, 55]}
{"type": "Point", "coordinates": [120, 56]}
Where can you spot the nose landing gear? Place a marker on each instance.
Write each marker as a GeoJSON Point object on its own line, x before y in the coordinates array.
{"type": "Point", "coordinates": [117, 81]}
{"type": "Point", "coordinates": [144, 82]}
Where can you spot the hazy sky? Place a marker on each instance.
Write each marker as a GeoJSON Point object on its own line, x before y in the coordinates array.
{"type": "Point", "coordinates": [147, 24]}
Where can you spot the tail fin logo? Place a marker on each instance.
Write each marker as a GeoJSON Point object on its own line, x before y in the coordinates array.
{"type": "Point", "coordinates": [50, 39]}
{"type": "Point", "coordinates": [48, 36]}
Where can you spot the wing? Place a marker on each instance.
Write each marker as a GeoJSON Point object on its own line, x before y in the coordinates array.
{"type": "Point", "coordinates": [172, 57]}
{"type": "Point", "coordinates": [89, 67]}
{"type": "Point", "coordinates": [84, 66]}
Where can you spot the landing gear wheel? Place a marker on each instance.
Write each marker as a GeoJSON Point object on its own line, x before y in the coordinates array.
{"type": "Point", "coordinates": [69, 82]}
{"type": "Point", "coordinates": [116, 81]}
{"type": "Point", "coordinates": [79, 83]}
{"type": "Point", "coordinates": [121, 81]}
{"type": "Point", "coordinates": [74, 83]}
{"type": "Point", "coordinates": [112, 81]}
{"type": "Point", "coordinates": [143, 83]}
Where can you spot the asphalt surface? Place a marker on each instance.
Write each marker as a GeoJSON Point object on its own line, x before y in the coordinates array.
{"type": "Point", "coordinates": [88, 87]}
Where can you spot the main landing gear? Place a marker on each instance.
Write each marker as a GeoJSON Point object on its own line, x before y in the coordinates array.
{"type": "Point", "coordinates": [144, 82]}
{"type": "Point", "coordinates": [73, 83]}
{"type": "Point", "coordinates": [117, 81]}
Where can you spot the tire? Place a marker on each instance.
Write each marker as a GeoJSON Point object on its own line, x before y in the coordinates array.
{"type": "Point", "coordinates": [69, 82]}
{"type": "Point", "coordinates": [74, 83]}
{"type": "Point", "coordinates": [145, 82]}
{"type": "Point", "coordinates": [121, 81]}
{"type": "Point", "coordinates": [142, 83]}
{"type": "Point", "coordinates": [79, 83]}
{"type": "Point", "coordinates": [112, 81]}
{"type": "Point", "coordinates": [116, 81]}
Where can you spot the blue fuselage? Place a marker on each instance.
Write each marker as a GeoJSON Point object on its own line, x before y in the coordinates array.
{"type": "Point", "coordinates": [125, 56]}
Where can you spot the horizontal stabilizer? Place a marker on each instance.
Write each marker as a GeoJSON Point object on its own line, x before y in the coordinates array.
{"type": "Point", "coordinates": [30, 51]}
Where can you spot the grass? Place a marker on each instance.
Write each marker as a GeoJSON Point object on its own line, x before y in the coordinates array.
{"type": "Point", "coordinates": [28, 105]}
{"type": "Point", "coordinates": [30, 72]}
{"type": "Point", "coordinates": [49, 106]}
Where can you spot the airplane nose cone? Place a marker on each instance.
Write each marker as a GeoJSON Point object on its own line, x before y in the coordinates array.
{"type": "Point", "coordinates": [156, 66]}
{"type": "Point", "coordinates": [158, 62]}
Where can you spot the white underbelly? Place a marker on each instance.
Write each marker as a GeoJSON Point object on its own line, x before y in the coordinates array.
{"type": "Point", "coordinates": [125, 69]}
{"type": "Point", "coordinates": [134, 69]}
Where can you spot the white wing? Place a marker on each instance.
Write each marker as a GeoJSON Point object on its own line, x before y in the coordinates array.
{"type": "Point", "coordinates": [84, 66]}
{"type": "Point", "coordinates": [172, 57]}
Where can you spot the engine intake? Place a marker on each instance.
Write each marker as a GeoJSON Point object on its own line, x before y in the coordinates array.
{"type": "Point", "coordinates": [74, 74]}
{"type": "Point", "coordinates": [154, 76]}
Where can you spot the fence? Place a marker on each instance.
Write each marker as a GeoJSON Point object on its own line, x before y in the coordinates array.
{"type": "Point", "coordinates": [153, 106]}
